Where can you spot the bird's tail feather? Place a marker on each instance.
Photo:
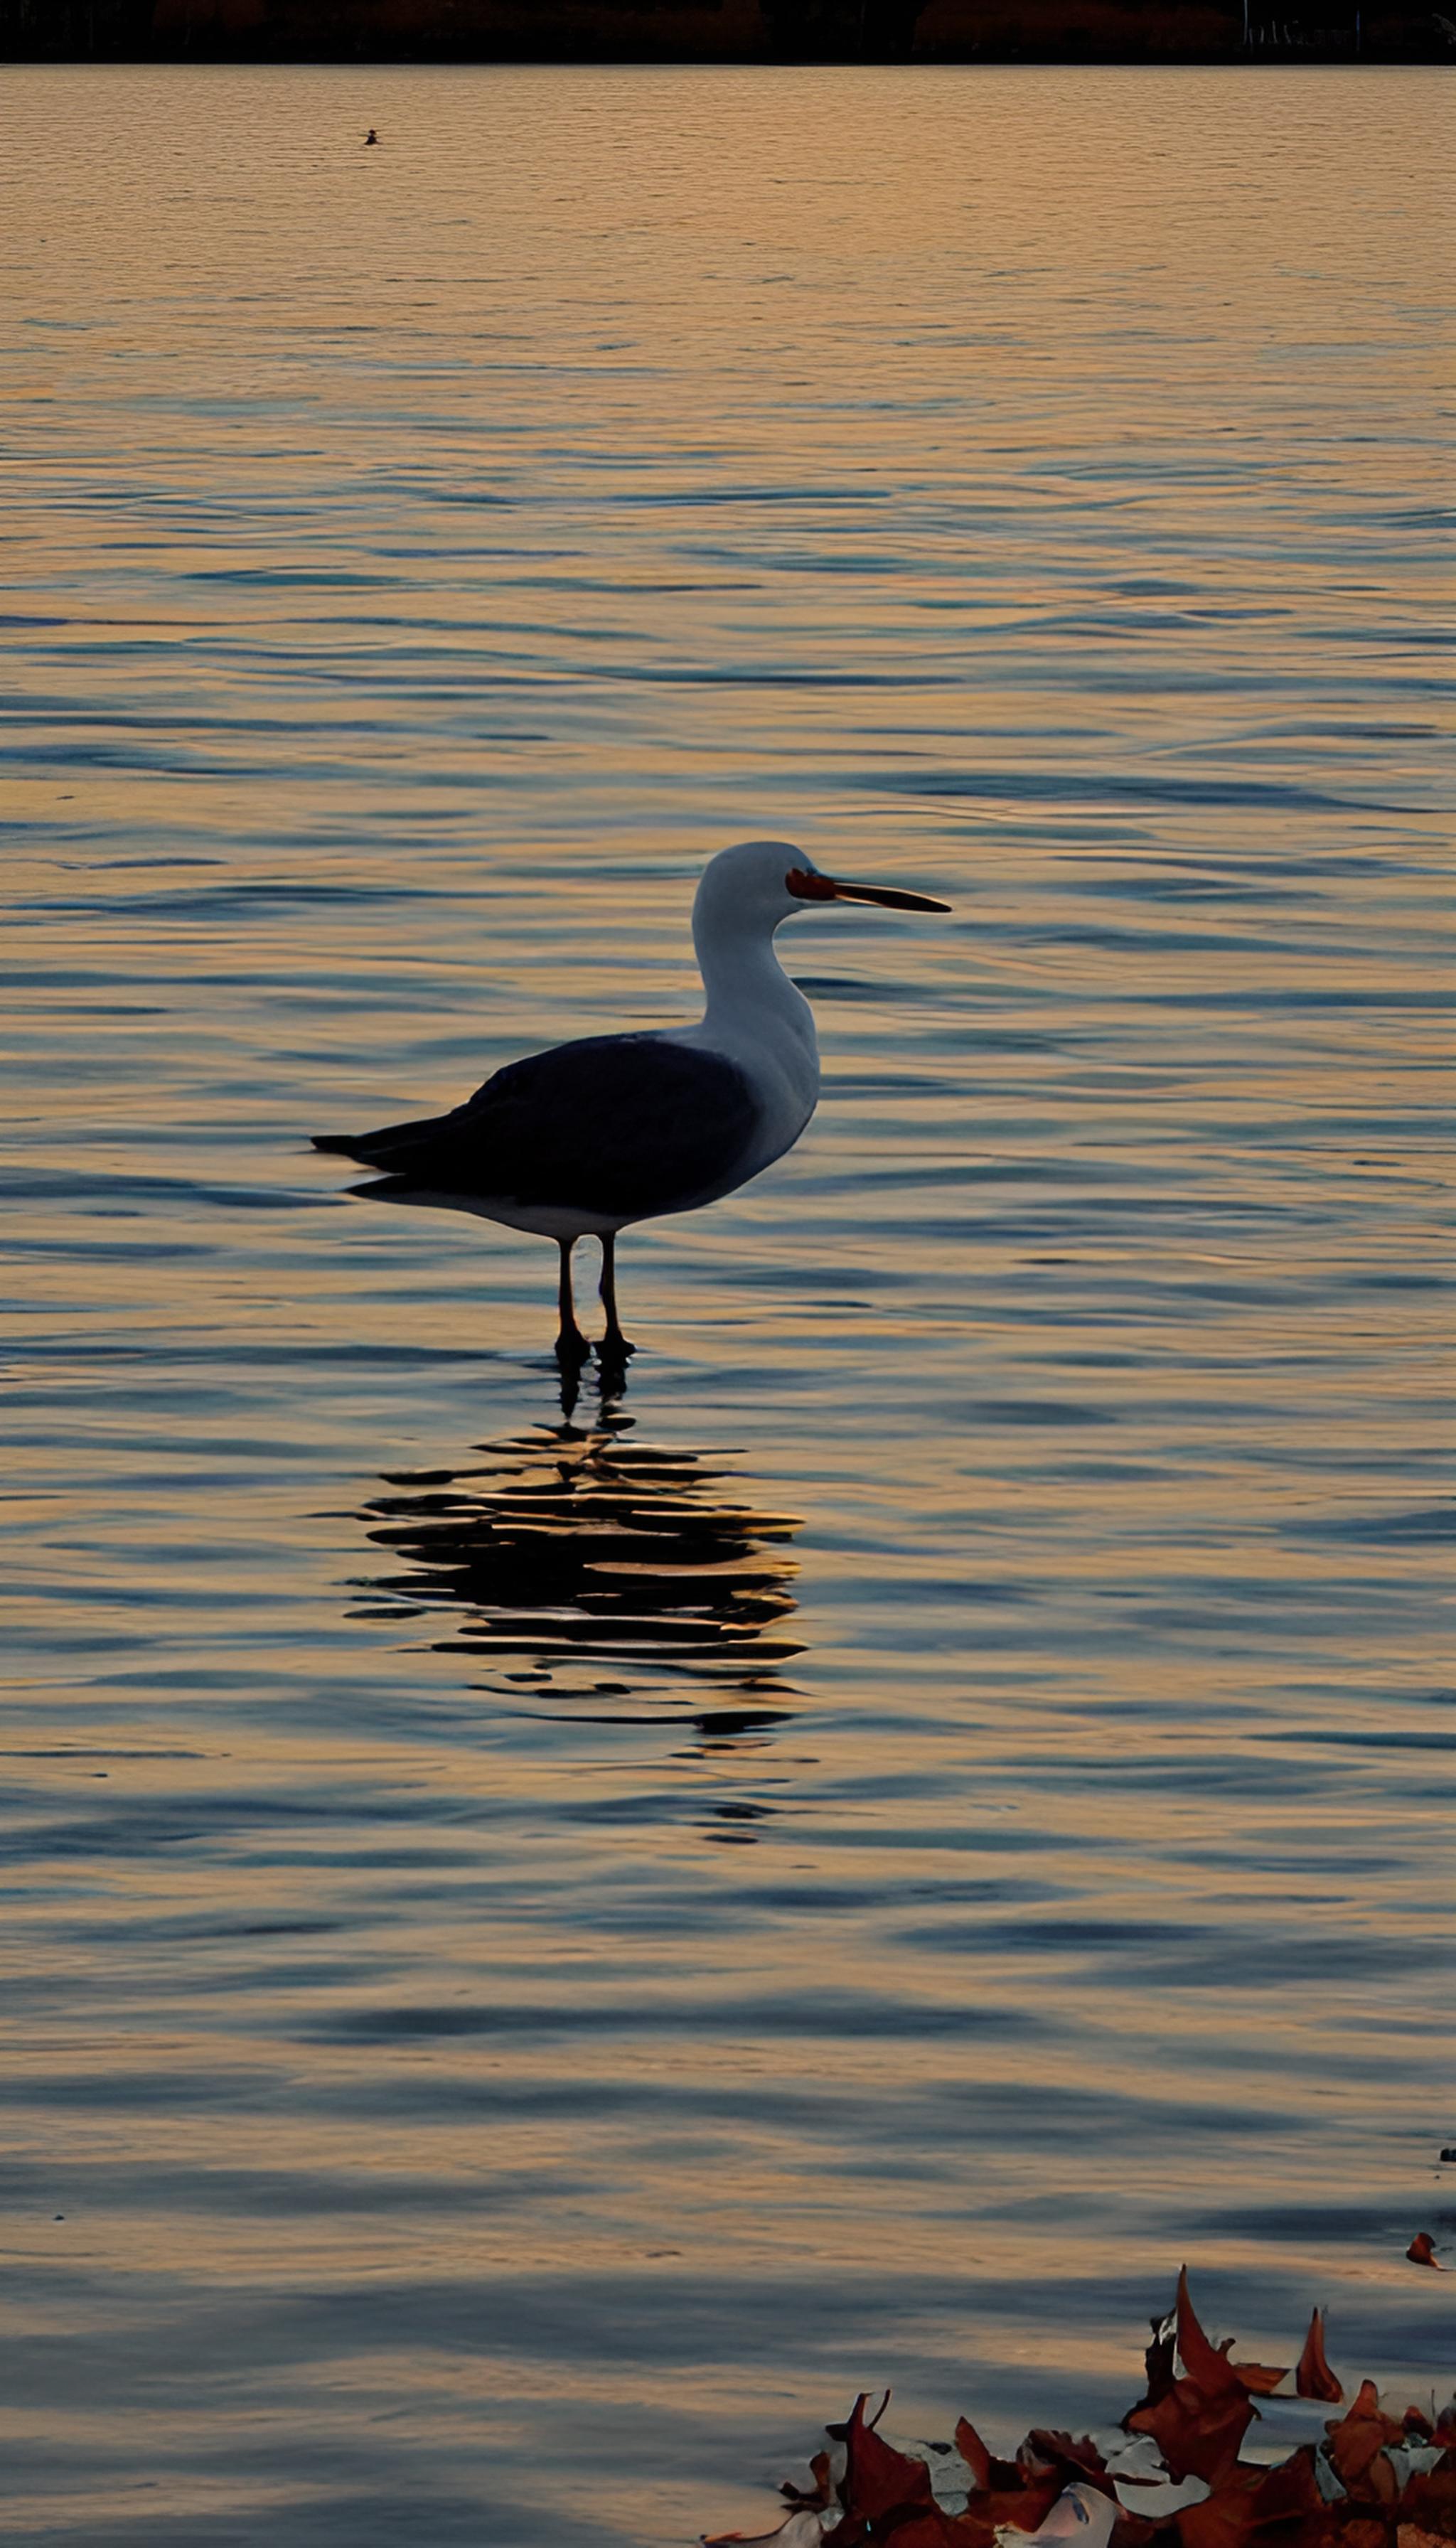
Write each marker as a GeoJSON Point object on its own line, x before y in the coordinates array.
{"type": "Point", "coordinates": [393, 1146]}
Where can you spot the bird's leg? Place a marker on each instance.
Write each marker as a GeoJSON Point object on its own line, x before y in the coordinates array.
{"type": "Point", "coordinates": [614, 1345]}
{"type": "Point", "coordinates": [572, 1348]}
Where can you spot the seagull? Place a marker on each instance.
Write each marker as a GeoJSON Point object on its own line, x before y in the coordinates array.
{"type": "Point", "coordinates": [589, 1136]}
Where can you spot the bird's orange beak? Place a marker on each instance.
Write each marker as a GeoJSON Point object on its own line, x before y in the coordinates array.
{"type": "Point", "coordinates": [810, 886]}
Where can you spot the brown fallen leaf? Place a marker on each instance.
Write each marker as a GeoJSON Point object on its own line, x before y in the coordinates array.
{"type": "Point", "coordinates": [880, 2480]}
{"type": "Point", "coordinates": [1197, 2420]}
{"type": "Point", "coordinates": [1382, 2480]}
{"type": "Point", "coordinates": [1198, 2436]}
{"type": "Point", "coordinates": [1226, 2519]}
{"type": "Point", "coordinates": [1132, 2530]}
{"type": "Point", "coordinates": [1289, 2492]}
{"type": "Point", "coordinates": [1259, 2379]}
{"type": "Point", "coordinates": [1025, 2508]}
{"type": "Point", "coordinates": [1074, 2463]}
{"type": "Point", "coordinates": [1001, 2507]}
{"type": "Point", "coordinates": [815, 2498]}
{"type": "Point", "coordinates": [1253, 2506]}
{"type": "Point", "coordinates": [888, 2494]}
{"type": "Point", "coordinates": [802, 2529]}
{"type": "Point", "coordinates": [933, 2529]}
{"type": "Point", "coordinates": [1358, 2440]}
{"type": "Point", "coordinates": [1423, 2251]}
{"type": "Point", "coordinates": [1212, 2365]}
{"type": "Point", "coordinates": [1252, 2500]}
{"type": "Point", "coordinates": [1206, 2366]}
{"type": "Point", "coordinates": [1158, 2360]}
{"type": "Point", "coordinates": [1313, 2376]}
{"type": "Point", "coordinates": [1431, 2498]}
{"type": "Point", "coordinates": [976, 2455]}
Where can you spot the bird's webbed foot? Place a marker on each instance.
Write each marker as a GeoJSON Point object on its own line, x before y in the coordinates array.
{"type": "Point", "coordinates": [611, 1366]}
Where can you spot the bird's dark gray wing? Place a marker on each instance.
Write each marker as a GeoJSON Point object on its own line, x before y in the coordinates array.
{"type": "Point", "coordinates": [629, 1124]}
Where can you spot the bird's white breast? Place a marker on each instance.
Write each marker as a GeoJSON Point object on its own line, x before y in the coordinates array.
{"type": "Point", "coordinates": [780, 1060]}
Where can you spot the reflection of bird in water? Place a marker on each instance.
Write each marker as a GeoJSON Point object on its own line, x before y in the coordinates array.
{"type": "Point", "coordinates": [591, 1136]}
{"type": "Point", "coordinates": [599, 1571]}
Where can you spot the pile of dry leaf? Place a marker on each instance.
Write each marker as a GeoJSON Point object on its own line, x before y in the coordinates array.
{"type": "Point", "coordinates": [1173, 2475]}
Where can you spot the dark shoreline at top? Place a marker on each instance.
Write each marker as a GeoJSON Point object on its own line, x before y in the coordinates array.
{"type": "Point", "coordinates": [549, 32]}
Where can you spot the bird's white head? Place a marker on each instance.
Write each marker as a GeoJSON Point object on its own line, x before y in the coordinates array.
{"type": "Point", "coordinates": [746, 892]}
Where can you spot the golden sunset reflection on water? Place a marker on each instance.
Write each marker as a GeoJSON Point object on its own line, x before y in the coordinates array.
{"type": "Point", "coordinates": [511, 2026]}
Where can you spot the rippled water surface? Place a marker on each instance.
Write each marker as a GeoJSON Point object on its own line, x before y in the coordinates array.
{"type": "Point", "coordinates": [543, 1957]}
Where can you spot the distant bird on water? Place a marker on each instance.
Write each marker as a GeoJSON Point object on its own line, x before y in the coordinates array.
{"type": "Point", "coordinates": [370, 135]}
{"type": "Point", "coordinates": [588, 1136]}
